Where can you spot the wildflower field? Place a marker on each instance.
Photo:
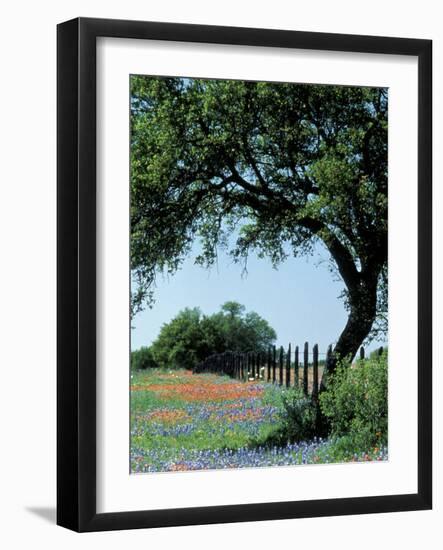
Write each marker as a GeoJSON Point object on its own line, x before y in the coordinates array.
{"type": "Point", "coordinates": [183, 421]}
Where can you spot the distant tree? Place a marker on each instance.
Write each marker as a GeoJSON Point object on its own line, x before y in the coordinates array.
{"type": "Point", "coordinates": [181, 342]}
{"type": "Point", "coordinates": [278, 166]}
{"type": "Point", "coordinates": [239, 331]}
{"type": "Point", "coordinates": [143, 359]}
{"type": "Point", "coordinates": [233, 309]}
{"type": "Point", "coordinates": [191, 337]}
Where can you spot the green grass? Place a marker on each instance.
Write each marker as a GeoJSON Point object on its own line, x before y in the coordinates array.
{"type": "Point", "coordinates": [185, 421]}
{"type": "Point", "coordinates": [173, 410]}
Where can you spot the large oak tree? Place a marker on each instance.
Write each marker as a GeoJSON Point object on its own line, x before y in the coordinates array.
{"type": "Point", "coordinates": [266, 167]}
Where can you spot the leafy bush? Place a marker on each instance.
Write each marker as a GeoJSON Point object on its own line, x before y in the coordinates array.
{"type": "Point", "coordinates": [300, 416]}
{"type": "Point", "coordinates": [297, 419]}
{"type": "Point", "coordinates": [376, 352]}
{"type": "Point", "coordinates": [356, 403]}
{"type": "Point", "coordinates": [142, 359]}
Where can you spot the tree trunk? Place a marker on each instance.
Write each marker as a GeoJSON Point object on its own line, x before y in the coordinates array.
{"type": "Point", "coordinates": [363, 310]}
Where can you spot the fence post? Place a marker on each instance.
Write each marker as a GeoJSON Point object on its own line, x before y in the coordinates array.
{"type": "Point", "coordinates": [288, 367]}
{"type": "Point", "coordinates": [280, 366]}
{"type": "Point", "coordinates": [324, 378]}
{"type": "Point", "coordinates": [274, 363]}
{"type": "Point", "coordinates": [362, 353]}
{"type": "Point", "coordinates": [305, 368]}
{"type": "Point", "coordinates": [315, 372]}
{"type": "Point", "coordinates": [296, 367]}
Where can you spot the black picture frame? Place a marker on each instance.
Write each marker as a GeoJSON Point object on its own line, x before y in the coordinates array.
{"type": "Point", "coordinates": [76, 278]}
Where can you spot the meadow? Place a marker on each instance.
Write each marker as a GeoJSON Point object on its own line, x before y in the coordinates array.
{"type": "Point", "coordinates": [184, 421]}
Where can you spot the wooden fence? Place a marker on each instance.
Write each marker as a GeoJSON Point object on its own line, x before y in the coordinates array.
{"type": "Point", "coordinates": [298, 368]}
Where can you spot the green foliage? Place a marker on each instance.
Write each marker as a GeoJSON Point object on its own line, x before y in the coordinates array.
{"type": "Point", "coordinates": [143, 359]}
{"type": "Point", "coordinates": [356, 403]}
{"type": "Point", "coordinates": [275, 166]}
{"type": "Point", "coordinates": [350, 448]}
{"type": "Point", "coordinates": [297, 419]}
{"type": "Point", "coordinates": [191, 337]}
{"type": "Point", "coordinates": [299, 416]}
{"type": "Point", "coordinates": [181, 342]}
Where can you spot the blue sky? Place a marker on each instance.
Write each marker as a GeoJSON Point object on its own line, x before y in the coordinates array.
{"type": "Point", "coordinates": [300, 299]}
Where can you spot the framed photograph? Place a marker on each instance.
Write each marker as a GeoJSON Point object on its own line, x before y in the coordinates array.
{"type": "Point", "coordinates": [244, 274]}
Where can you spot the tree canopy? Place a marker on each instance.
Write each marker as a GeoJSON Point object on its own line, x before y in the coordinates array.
{"type": "Point", "coordinates": [275, 167]}
{"type": "Point", "coordinates": [191, 336]}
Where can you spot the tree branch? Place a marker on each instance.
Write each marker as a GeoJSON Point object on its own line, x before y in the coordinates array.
{"type": "Point", "coordinates": [342, 256]}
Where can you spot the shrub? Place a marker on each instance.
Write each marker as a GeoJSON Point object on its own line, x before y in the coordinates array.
{"type": "Point", "coordinates": [142, 359]}
{"type": "Point", "coordinates": [298, 417]}
{"type": "Point", "coordinates": [356, 402]}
